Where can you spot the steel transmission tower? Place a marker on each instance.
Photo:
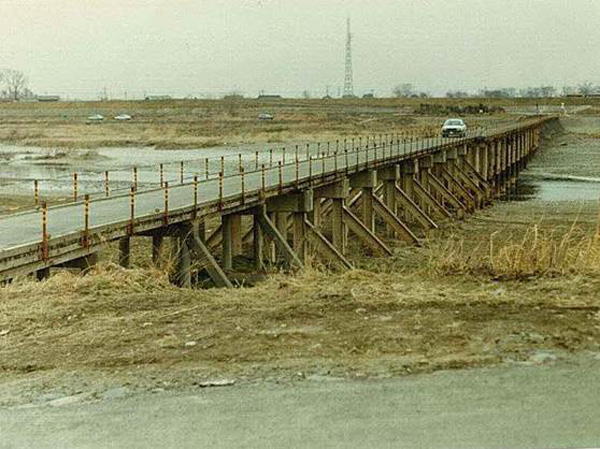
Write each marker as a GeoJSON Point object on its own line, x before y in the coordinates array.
{"type": "Point", "coordinates": [348, 82]}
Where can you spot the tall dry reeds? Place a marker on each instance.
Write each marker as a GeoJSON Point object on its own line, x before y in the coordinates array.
{"type": "Point", "coordinates": [537, 251]}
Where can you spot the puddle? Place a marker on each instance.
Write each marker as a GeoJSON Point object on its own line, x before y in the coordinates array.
{"type": "Point", "coordinates": [535, 188]}
{"type": "Point", "coordinates": [54, 168]}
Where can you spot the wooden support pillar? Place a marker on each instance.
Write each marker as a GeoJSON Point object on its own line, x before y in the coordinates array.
{"type": "Point", "coordinates": [298, 204]}
{"type": "Point", "coordinates": [316, 216]}
{"type": "Point", "coordinates": [183, 277]}
{"type": "Point", "coordinates": [281, 223]}
{"type": "Point", "coordinates": [337, 224]}
{"type": "Point", "coordinates": [367, 182]}
{"type": "Point", "coordinates": [337, 194]}
{"type": "Point", "coordinates": [484, 161]}
{"type": "Point", "coordinates": [236, 235]}
{"type": "Point", "coordinates": [157, 246]}
{"type": "Point", "coordinates": [299, 235]}
{"type": "Point", "coordinates": [227, 245]}
{"type": "Point", "coordinates": [390, 177]}
{"type": "Point", "coordinates": [125, 252]}
{"type": "Point", "coordinates": [258, 247]}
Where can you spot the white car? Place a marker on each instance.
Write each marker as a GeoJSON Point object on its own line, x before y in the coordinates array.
{"type": "Point", "coordinates": [265, 116]}
{"type": "Point", "coordinates": [123, 117]}
{"type": "Point", "coordinates": [454, 127]}
{"type": "Point", "coordinates": [96, 118]}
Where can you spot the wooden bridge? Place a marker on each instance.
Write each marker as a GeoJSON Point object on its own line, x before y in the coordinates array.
{"type": "Point", "coordinates": [278, 211]}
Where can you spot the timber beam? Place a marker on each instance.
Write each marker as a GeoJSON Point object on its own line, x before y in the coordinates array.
{"type": "Point", "coordinates": [324, 247]}
{"type": "Point", "coordinates": [427, 199]}
{"type": "Point", "coordinates": [208, 262]}
{"type": "Point", "coordinates": [413, 209]}
{"type": "Point", "coordinates": [394, 222]}
{"type": "Point", "coordinates": [280, 242]}
{"type": "Point", "coordinates": [440, 189]}
{"type": "Point", "coordinates": [364, 233]}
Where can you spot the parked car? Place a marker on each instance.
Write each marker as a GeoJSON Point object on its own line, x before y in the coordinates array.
{"type": "Point", "coordinates": [264, 116]}
{"type": "Point", "coordinates": [454, 127]}
{"type": "Point", "coordinates": [96, 118]}
{"type": "Point", "coordinates": [123, 117]}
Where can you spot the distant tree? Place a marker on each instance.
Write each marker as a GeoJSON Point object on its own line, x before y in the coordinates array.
{"type": "Point", "coordinates": [305, 94]}
{"type": "Point", "coordinates": [509, 92]}
{"type": "Point", "coordinates": [586, 88]}
{"type": "Point", "coordinates": [457, 94]}
{"type": "Point", "coordinates": [404, 90]}
{"type": "Point", "coordinates": [548, 91]}
{"type": "Point", "coordinates": [15, 83]}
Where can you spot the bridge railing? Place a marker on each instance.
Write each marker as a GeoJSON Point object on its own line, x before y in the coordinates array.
{"type": "Point", "coordinates": [112, 183]}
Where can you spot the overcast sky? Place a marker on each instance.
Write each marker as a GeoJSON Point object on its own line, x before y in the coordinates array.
{"type": "Point", "coordinates": [179, 47]}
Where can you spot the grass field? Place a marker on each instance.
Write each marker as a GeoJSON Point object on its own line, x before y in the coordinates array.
{"type": "Point", "coordinates": [204, 123]}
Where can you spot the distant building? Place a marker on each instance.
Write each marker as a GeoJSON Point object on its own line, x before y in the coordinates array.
{"type": "Point", "coordinates": [233, 97]}
{"type": "Point", "coordinates": [157, 97]}
{"type": "Point", "coordinates": [45, 98]}
{"type": "Point", "coordinates": [269, 97]}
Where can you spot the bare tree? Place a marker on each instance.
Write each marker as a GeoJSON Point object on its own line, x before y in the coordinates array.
{"type": "Point", "coordinates": [586, 88]}
{"type": "Point", "coordinates": [15, 82]}
{"type": "Point", "coordinates": [404, 90]}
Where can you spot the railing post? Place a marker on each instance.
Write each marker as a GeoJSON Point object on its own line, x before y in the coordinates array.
{"type": "Point", "coordinates": [75, 187]}
{"type": "Point", "coordinates": [162, 174]}
{"type": "Point", "coordinates": [280, 175]}
{"type": "Point", "coordinates": [86, 221]}
{"type": "Point", "coordinates": [220, 190]}
{"type": "Point", "coordinates": [206, 168]}
{"type": "Point", "coordinates": [346, 160]}
{"type": "Point", "coordinates": [181, 172]}
{"type": "Point", "coordinates": [45, 236]}
{"type": "Point", "coordinates": [243, 182]}
{"type": "Point", "coordinates": [135, 177]}
{"type": "Point", "coordinates": [106, 187]}
{"type": "Point", "coordinates": [36, 193]}
{"type": "Point", "coordinates": [166, 203]}
{"type": "Point", "coordinates": [263, 178]}
{"type": "Point", "coordinates": [195, 194]}
{"type": "Point", "coordinates": [131, 210]}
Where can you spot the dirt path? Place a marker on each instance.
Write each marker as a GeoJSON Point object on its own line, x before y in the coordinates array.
{"type": "Point", "coordinates": [517, 407]}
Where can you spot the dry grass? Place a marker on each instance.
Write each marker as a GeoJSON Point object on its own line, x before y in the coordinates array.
{"type": "Point", "coordinates": [198, 124]}
{"type": "Point", "coordinates": [537, 252]}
